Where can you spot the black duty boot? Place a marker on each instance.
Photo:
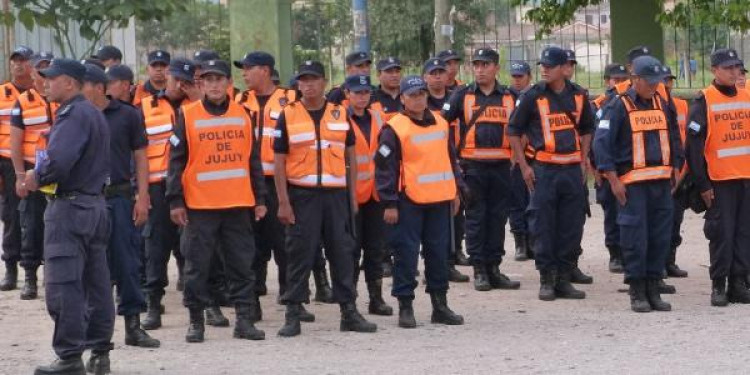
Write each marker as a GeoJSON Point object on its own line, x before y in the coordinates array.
{"type": "Point", "coordinates": [196, 329]}
{"type": "Point", "coordinates": [498, 280]}
{"type": "Point", "coordinates": [615, 259]}
{"type": "Point", "coordinates": [304, 315]}
{"type": "Point", "coordinates": [135, 336]}
{"type": "Point", "coordinates": [377, 305]}
{"type": "Point", "coordinates": [153, 313]}
{"type": "Point", "coordinates": [243, 327]}
{"type": "Point", "coordinates": [455, 276]}
{"type": "Point", "coordinates": [665, 288]}
{"type": "Point", "coordinates": [719, 292]}
{"type": "Point", "coordinates": [673, 270]}
{"type": "Point", "coordinates": [292, 325]}
{"type": "Point", "coordinates": [547, 285]}
{"type": "Point", "coordinates": [578, 277]}
{"type": "Point", "coordinates": [737, 291]}
{"type": "Point", "coordinates": [406, 313]}
{"type": "Point", "coordinates": [10, 281]}
{"type": "Point", "coordinates": [323, 291]}
{"type": "Point", "coordinates": [29, 289]}
{"type": "Point", "coordinates": [461, 259]}
{"type": "Point", "coordinates": [215, 318]}
{"type": "Point", "coordinates": [654, 297]}
{"type": "Point", "coordinates": [256, 312]}
{"type": "Point", "coordinates": [98, 363]}
{"type": "Point", "coordinates": [564, 288]}
{"type": "Point", "coordinates": [481, 279]}
{"type": "Point", "coordinates": [441, 313]}
{"type": "Point", "coordinates": [353, 321]}
{"type": "Point", "coordinates": [68, 366]}
{"type": "Point", "coordinates": [638, 296]}
{"type": "Point", "coordinates": [522, 253]}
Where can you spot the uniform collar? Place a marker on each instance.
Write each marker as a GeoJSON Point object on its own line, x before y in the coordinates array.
{"type": "Point", "coordinates": [74, 99]}
{"type": "Point", "coordinates": [726, 90]}
{"type": "Point", "coordinates": [427, 120]}
{"type": "Point", "coordinates": [500, 89]}
{"type": "Point", "coordinates": [568, 87]}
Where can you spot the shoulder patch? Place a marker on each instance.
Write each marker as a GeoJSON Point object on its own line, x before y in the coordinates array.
{"type": "Point", "coordinates": [694, 126]}
{"type": "Point", "coordinates": [15, 112]}
{"type": "Point", "coordinates": [174, 140]}
{"type": "Point", "coordinates": [384, 151]}
{"type": "Point", "coordinates": [446, 107]}
{"type": "Point", "coordinates": [604, 124]}
{"type": "Point", "coordinates": [599, 113]}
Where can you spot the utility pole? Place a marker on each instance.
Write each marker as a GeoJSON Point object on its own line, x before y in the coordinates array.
{"type": "Point", "coordinates": [361, 29]}
{"type": "Point", "coordinates": [442, 25]}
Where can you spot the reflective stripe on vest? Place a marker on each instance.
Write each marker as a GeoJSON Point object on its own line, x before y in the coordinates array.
{"type": "Point", "coordinates": [642, 123]}
{"type": "Point", "coordinates": [267, 121]}
{"type": "Point", "coordinates": [552, 123]}
{"type": "Point", "coordinates": [159, 118]}
{"type": "Point", "coordinates": [8, 96]}
{"type": "Point", "coordinates": [497, 115]}
{"type": "Point", "coordinates": [727, 147]}
{"type": "Point", "coordinates": [37, 115]}
{"type": "Point", "coordinates": [365, 150]}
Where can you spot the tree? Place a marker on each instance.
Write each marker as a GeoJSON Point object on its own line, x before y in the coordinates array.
{"type": "Point", "coordinates": [93, 17]}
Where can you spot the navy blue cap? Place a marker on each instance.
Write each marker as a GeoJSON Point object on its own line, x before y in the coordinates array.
{"type": "Point", "coordinates": [68, 67]}
{"type": "Point", "coordinates": [724, 57]}
{"type": "Point", "coordinates": [615, 70]}
{"type": "Point", "coordinates": [203, 55]}
{"type": "Point", "coordinates": [410, 84]}
{"type": "Point", "coordinates": [449, 55]}
{"type": "Point", "coordinates": [41, 57]}
{"type": "Point", "coordinates": [485, 54]}
{"type": "Point", "coordinates": [219, 67]}
{"type": "Point", "coordinates": [94, 61]}
{"type": "Point", "coordinates": [256, 58]}
{"type": "Point", "coordinates": [571, 56]}
{"type": "Point", "coordinates": [649, 68]}
{"type": "Point", "coordinates": [94, 74]}
{"type": "Point", "coordinates": [668, 73]}
{"type": "Point", "coordinates": [159, 56]}
{"type": "Point", "coordinates": [357, 58]}
{"type": "Point", "coordinates": [553, 56]}
{"type": "Point", "coordinates": [389, 62]}
{"type": "Point", "coordinates": [22, 52]}
{"type": "Point", "coordinates": [120, 73]}
{"type": "Point", "coordinates": [311, 68]}
{"type": "Point", "coordinates": [358, 82]}
{"type": "Point", "coordinates": [108, 53]}
{"type": "Point", "coordinates": [182, 69]}
{"type": "Point", "coordinates": [433, 64]}
{"type": "Point", "coordinates": [519, 68]}
{"type": "Point", "coordinates": [637, 52]}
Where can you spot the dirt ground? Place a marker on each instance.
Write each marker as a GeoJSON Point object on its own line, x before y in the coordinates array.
{"type": "Point", "coordinates": [505, 332]}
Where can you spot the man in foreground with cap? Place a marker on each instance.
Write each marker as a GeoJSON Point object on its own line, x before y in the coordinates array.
{"type": "Point", "coordinates": [204, 55]}
{"type": "Point", "coordinates": [313, 142]}
{"type": "Point", "coordinates": [358, 62]}
{"type": "Point", "coordinates": [386, 97]}
{"type": "Point", "coordinates": [483, 109]}
{"type": "Point", "coordinates": [452, 61]}
{"type": "Point", "coordinates": [558, 122]}
{"type": "Point", "coordinates": [120, 82]}
{"type": "Point", "coordinates": [213, 152]}
{"type": "Point", "coordinates": [720, 164]}
{"type": "Point", "coordinates": [158, 61]}
{"type": "Point", "coordinates": [75, 168]}
{"type": "Point", "coordinates": [417, 180]}
{"type": "Point", "coordinates": [30, 120]}
{"type": "Point", "coordinates": [109, 56]}
{"type": "Point", "coordinates": [638, 151]}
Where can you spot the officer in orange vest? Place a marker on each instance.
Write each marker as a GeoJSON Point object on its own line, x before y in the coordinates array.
{"type": "Point", "coordinates": [212, 152]}
{"type": "Point", "coordinates": [483, 109]}
{"type": "Point", "coordinates": [109, 56]}
{"type": "Point", "coordinates": [452, 61]}
{"type": "Point", "coordinates": [386, 97]}
{"type": "Point", "coordinates": [719, 161]}
{"type": "Point", "coordinates": [120, 82]}
{"type": "Point", "coordinates": [313, 142]}
{"type": "Point", "coordinates": [201, 56]}
{"type": "Point", "coordinates": [358, 62]}
{"type": "Point", "coordinates": [31, 119]}
{"type": "Point", "coordinates": [158, 61]}
{"type": "Point", "coordinates": [20, 69]}
{"type": "Point", "coordinates": [417, 180]}
{"type": "Point", "coordinates": [558, 122]}
{"type": "Point", "coordinates": [638, 151]}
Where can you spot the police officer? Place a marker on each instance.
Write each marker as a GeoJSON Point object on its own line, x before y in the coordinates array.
{"type": "Point", "coordinates": [358, 62]}
{"type": "Point", "coordinates": [483, 109]}
{"type": "Point", "coordinates": [21, 80]}
{"type": "Point", "coordinates": [558, 122]}
{"type": "Point", "coordinates": [30, 120]}
{"type": "Point", "coordinates": [313, 141]}
{"type": "Point", "coordinates": [204, 55]}
{"type": "Point", "coordinates": [571, 64]}
{"type": "Point", "coordinates": [638, 151]}
{"type": "Point", "coordinates": [416, 177]}
{"type": "Point", "coordinates": [386, 96]}
{"type": "Point", "coordinates": [452, 61]}
{"type": "Point", "coordinates": [212, 152]}
{"type": "Point", "coordinates": [109, 56]}
{"type": "Point", "coordinates": [120, 82]}
{"type": "Point", "coordinates": [75, 166]}
{"type": "Point", "coordinates": [720, 165]}
{"type": "Point", "coordinates": [158, 61]}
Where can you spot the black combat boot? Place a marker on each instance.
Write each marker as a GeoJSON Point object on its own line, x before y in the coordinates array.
{"type": "Point", "coordinates": [153, 312]}
{"type": "Point", "coordinates": [615, 259]}
{"type": "Point", "coordinates": [244, 327]}
{"type": "Point", "coordinates": [654, 297]}
{"type": "Point", "coordinates": [377, 305]}
{"type": "Point", "coordinates": [481, 279]}
{"type": "Point", "coordinates": [323, 291]}
{"type": "Point", "coordinates": [256, 312]}
{"type": "Point", "coordinates": [578, 277]}
{"type": "Point", "coordinates": [406, 313]}
{"type": "Point", "coordinates": [719, 292]}
{"type": "Point", "coordinates": [673, 270]}
{"type": "Point", "coordinates": [215, 318]}
{"type": "Point", "coordinates": [665, 288]}
{"type": "Point", "coordinates": [304, 315]}
{"type": "Point", "coordinates": [737, 291]}
{"type": "Point", "coordinates": [10, 281]}
{"type": "Point", "coordinates": [261, 273]}
{"type": "Point", "coordinates": [522, 253]}
{"type": "Point", "coordinates": [638, 296]}
{"type": "Point", "coordinates": [353, 321]}
{"type": "Point", "coordinates": [498, 280]}
{"type": "Point", "coordinates": [564, 288]}
{"type": "Point", "coordinates": [292, 325]}
{"type": "Point", "coordinates": [98, 363]}
{"type": "Point", "coordinates": [135, 336]}
{"type": "Point", "coordinates": [455, 276]}
{"type": "Point", "coordinates": [197, 327]}
{"type": "Point", "coordinates": [29, 290]}
{"type": "Point", "coordinates": [67, 366]}
{"type": "Point", "coordinates": [547, 285]}
{"type": "Point", "coordinates": [441, 313]}
{"type": "Point", "coordinates": [461, 259]}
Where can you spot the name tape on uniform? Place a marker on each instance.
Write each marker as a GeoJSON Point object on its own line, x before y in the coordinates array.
{"type": "Point", "coordinates": [604, 124]}
{"type": "Point", "coordinates": [446, 107]}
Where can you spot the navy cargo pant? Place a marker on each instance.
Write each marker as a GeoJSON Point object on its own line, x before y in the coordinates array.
{"type": "Point", "coordinates": [609, 204]}
{"type": "Point", "coordinates": [9, 214]}
{"type": "Point", "coordinates": [727, 229]}
{"type": "Point", "coordinates": [678, 217]}
{"type": "Point", "coordinates": [269, 240]}
{"type": "Point", "coordinates": [426, 225]}
{"type": "Point", "coordinates": [77, 285]}
{"type": "Point", "coordinates": [162, 238]}
{"type": "Point", "coordinates": [31, 210]}
{"type": "Point", "coordinates": [370, 241]}
{"type": "Point", "coordinates": [518, 203]}
{"type": "Point", "coordinates": [556, 215]}
{"type": "Point", "coordinates": [125, 257]}
{"type": "Point", "coordinates": [646, 229]}
{"type": "Point", "coordinates": [486, 210]}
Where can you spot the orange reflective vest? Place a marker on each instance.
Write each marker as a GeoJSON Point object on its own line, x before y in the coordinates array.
{"type": "Point", "coordinates": [642, 123]}
{"type": "Point", "coordinates": [727, 148]}
{"type": "Point", "coordinates": [599, 101]}
{"type": "Point", "coordinates": [217, 174]}
{"type": "Point", "coordinates": [139, 93]}
{"type": "Point", "coordinates": [497, 115]}
{"type": "Point", "coordinates": [37, 115]}
{"type": "Point", "coordinates": [265, 126]}
{"type": "Point", "coordinates": [426, 169]}
{"type": "Point", "coordinates": [8, 96]}
{"type": "Point", "coordinates": [377, 106]}
{"type": "Point", "coordinates": [310, 149]}
{"type": "Point", "coordinates": [681, 105]}
{"type": "Point", "coordinates": [558, 123]}
{"type": "Point", "coordinates": [160, 118]}
{"type": "Point", "coordinates": [452, 125]}
{"type": "Point", "coordinates": [365, 150]}
{"type": "Point", "coordinates": [623, 86]}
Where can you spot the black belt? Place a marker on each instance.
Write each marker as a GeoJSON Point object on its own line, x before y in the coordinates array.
{"type": "Point", "coordinates": [70, 195]}
{"type": "Point", "coordinates": [124, 190]}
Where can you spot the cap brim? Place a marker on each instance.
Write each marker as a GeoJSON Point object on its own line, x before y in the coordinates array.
{"type": "Point", "coordinates": [359, 88]}
{"type": "Point", "coordinates": [434, 68]}
{"type": "Point", "coordinates": [239, 64]}
{"type": "Point", "coordinates": [158, 61]}
{"type": "Point", "coordinates": [389, 66]}
{"type": "Point", "coordinates": [652, 80]}
{"type": "Point", "coordinates": [208, 71]}
{"type": "Point", "coordinates": [51, 72]}
{"type": "Point", "coordinates": [37, 62]}
{"type": "Point", "coordinates": [482, 58]}
{"type": "Point", "coordinates": [360, 62]}
{"type": "Point", "coordinates": [619, 75]}
{"type": "Point", "coordinates": [302, 74]}
{"type": "Point", "coordinates": [519, 72]}
{"type": "Point", "coordinates": [727, 63]}
{"type": "Point", "coordinates": [574, 61]}
{"type": "Point", "coordinates": [414, 89]}
{"type": "Point", "coordinates": [548, 63]}
{"type": "Point", "coordinates": [16, 54]}
{"type": "Point", "coordinates": [451, 57]}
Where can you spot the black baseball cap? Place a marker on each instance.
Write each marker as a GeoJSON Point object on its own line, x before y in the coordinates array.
{"type": "Point", "coordinates": [358, 82]}
{"type": "Point", "coordinates": [120, 73]}
{"type": "Point", "coordinates": [553, 56]}
{"type": "Point", "coordinates": [519, 68]}
{"type": "Point", "coordinates": [203, 55]}
{"type": "Point", "coordinates": [448, 55]}
{"type": "Point", "coordinates": [159, 57]}
{"type": "Point", "coordinates": [182, 69]}
{"type": "Point", "coordinates": [388, 63]}
{"type": "Point", "coordinates": [310, 68]}
{"type": "Point", "coordinates": [94, 61]}
{"type": "Point", "coordinates": [219, 67]}
{"type": "Point", "coordinates": [668, 73]}
{"type": "Point", "coordinates": [22, 52]}
{"type": "Point", "coordinates": [432, 65]}
{"type": "Point", "coordinates": [44, 56]}
{"type": "Point", "coordinates": [615, 70]}
{"type": "Point", "coordinates": [649, 68]}
{"type": "Point", "coordinates": [412, 83]}
{"type": "Point", "coordinates": [485, 54]}
{"type": "Point", "coordinates": [571, 56]}
{"type": "Point", "coordinates": [256, 58]}
{"type": "Point", "coordinates": [94, 74]}
{"type": "Point", "coordinates": [357, 58]}
{"type": "Point", "coordinates": [724, 57]}
{"type": "Point", "coordinates": [108, 53]}
{"type": "Point", "coordinates": [68, 67]}
{"type": "Point", "coordinates": [637, 52]}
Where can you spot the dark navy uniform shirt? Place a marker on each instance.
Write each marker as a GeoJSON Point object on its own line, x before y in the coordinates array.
{"type": "Point", "coordinates": [127, 134]}
{"type": "Point", "coordinates": [389, 103]}
{"type": "Point", "coordinates": [436, 104]}
{"type": "Point", "coordinates": [336, 95]}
